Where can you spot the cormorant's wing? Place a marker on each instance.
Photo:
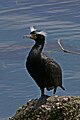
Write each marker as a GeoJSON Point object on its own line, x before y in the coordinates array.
{"type": "Point", "coordinates": [52, 71]}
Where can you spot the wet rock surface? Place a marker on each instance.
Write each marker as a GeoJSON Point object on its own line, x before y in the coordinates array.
{"type": "Point", "coordinates": [50, 108]}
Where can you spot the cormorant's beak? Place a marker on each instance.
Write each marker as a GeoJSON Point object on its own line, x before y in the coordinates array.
{"type": "Point", "coordinates": [31, 36]}
{"type": "Point", "coordinates": [27, 36]}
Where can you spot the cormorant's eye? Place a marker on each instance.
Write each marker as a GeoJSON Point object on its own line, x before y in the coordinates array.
{"type": "Point", "coordinates": [33, 36]}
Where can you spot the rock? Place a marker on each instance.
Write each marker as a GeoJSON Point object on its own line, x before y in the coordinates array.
{"type": "Point", "coordinates": [50, 108]}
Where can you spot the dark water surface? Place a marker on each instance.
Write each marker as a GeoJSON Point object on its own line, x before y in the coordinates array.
{"type": "Point", "coordinates": [60, 19]}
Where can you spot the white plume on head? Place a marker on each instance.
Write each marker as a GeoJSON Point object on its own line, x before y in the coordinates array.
{"type": "Point", "coordinates": [42, 33]}
{"type": "Point", "coordinates": [32, 29]}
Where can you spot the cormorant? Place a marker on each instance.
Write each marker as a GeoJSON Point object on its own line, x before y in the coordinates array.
{"type": "Point", "coordinates": [45, 71]}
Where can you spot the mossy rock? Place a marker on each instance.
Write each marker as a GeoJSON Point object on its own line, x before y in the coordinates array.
{"type": "Point", "coordinates": [50, 108]}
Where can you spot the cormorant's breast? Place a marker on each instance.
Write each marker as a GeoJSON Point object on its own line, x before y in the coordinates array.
{"type": "Point", "coordinates": [35, 68]}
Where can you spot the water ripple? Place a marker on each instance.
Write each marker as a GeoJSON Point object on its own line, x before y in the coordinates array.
{"type": "Point", "coordinates": [20, 16]}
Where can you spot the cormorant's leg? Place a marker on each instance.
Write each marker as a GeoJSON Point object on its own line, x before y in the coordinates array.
{"type": "Point", "coordinates": [42, 92]}
{"type": "Point", "coordinates": [55, 90]}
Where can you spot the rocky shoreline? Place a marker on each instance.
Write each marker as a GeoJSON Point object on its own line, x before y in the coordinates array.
{"type": "Point", "coordinates": [50, 108]}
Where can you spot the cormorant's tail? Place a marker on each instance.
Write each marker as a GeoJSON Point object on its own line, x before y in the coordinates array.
{"type": "Point", "coordinates": [62, 87]}
{"type": "Point", "coordinates": [56, 89]}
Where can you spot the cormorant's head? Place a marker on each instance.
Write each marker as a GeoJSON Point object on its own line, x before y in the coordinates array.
{"type": "Point", "coordinates": [36, 35]}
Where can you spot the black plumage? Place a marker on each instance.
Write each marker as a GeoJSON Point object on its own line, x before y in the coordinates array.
{"type": "Point", "coordinates": [45, 72]}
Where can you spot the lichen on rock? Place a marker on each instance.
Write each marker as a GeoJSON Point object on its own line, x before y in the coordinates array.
{"type": "Point", "coordinates": [50, 108]}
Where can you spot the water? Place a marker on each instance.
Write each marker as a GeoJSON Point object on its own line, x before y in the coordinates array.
{"type": "Point", "coordinates": [60, 19]}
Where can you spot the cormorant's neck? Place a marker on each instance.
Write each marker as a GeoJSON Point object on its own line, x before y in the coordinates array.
{"type": "Point", "coordinates": [38, 45]}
